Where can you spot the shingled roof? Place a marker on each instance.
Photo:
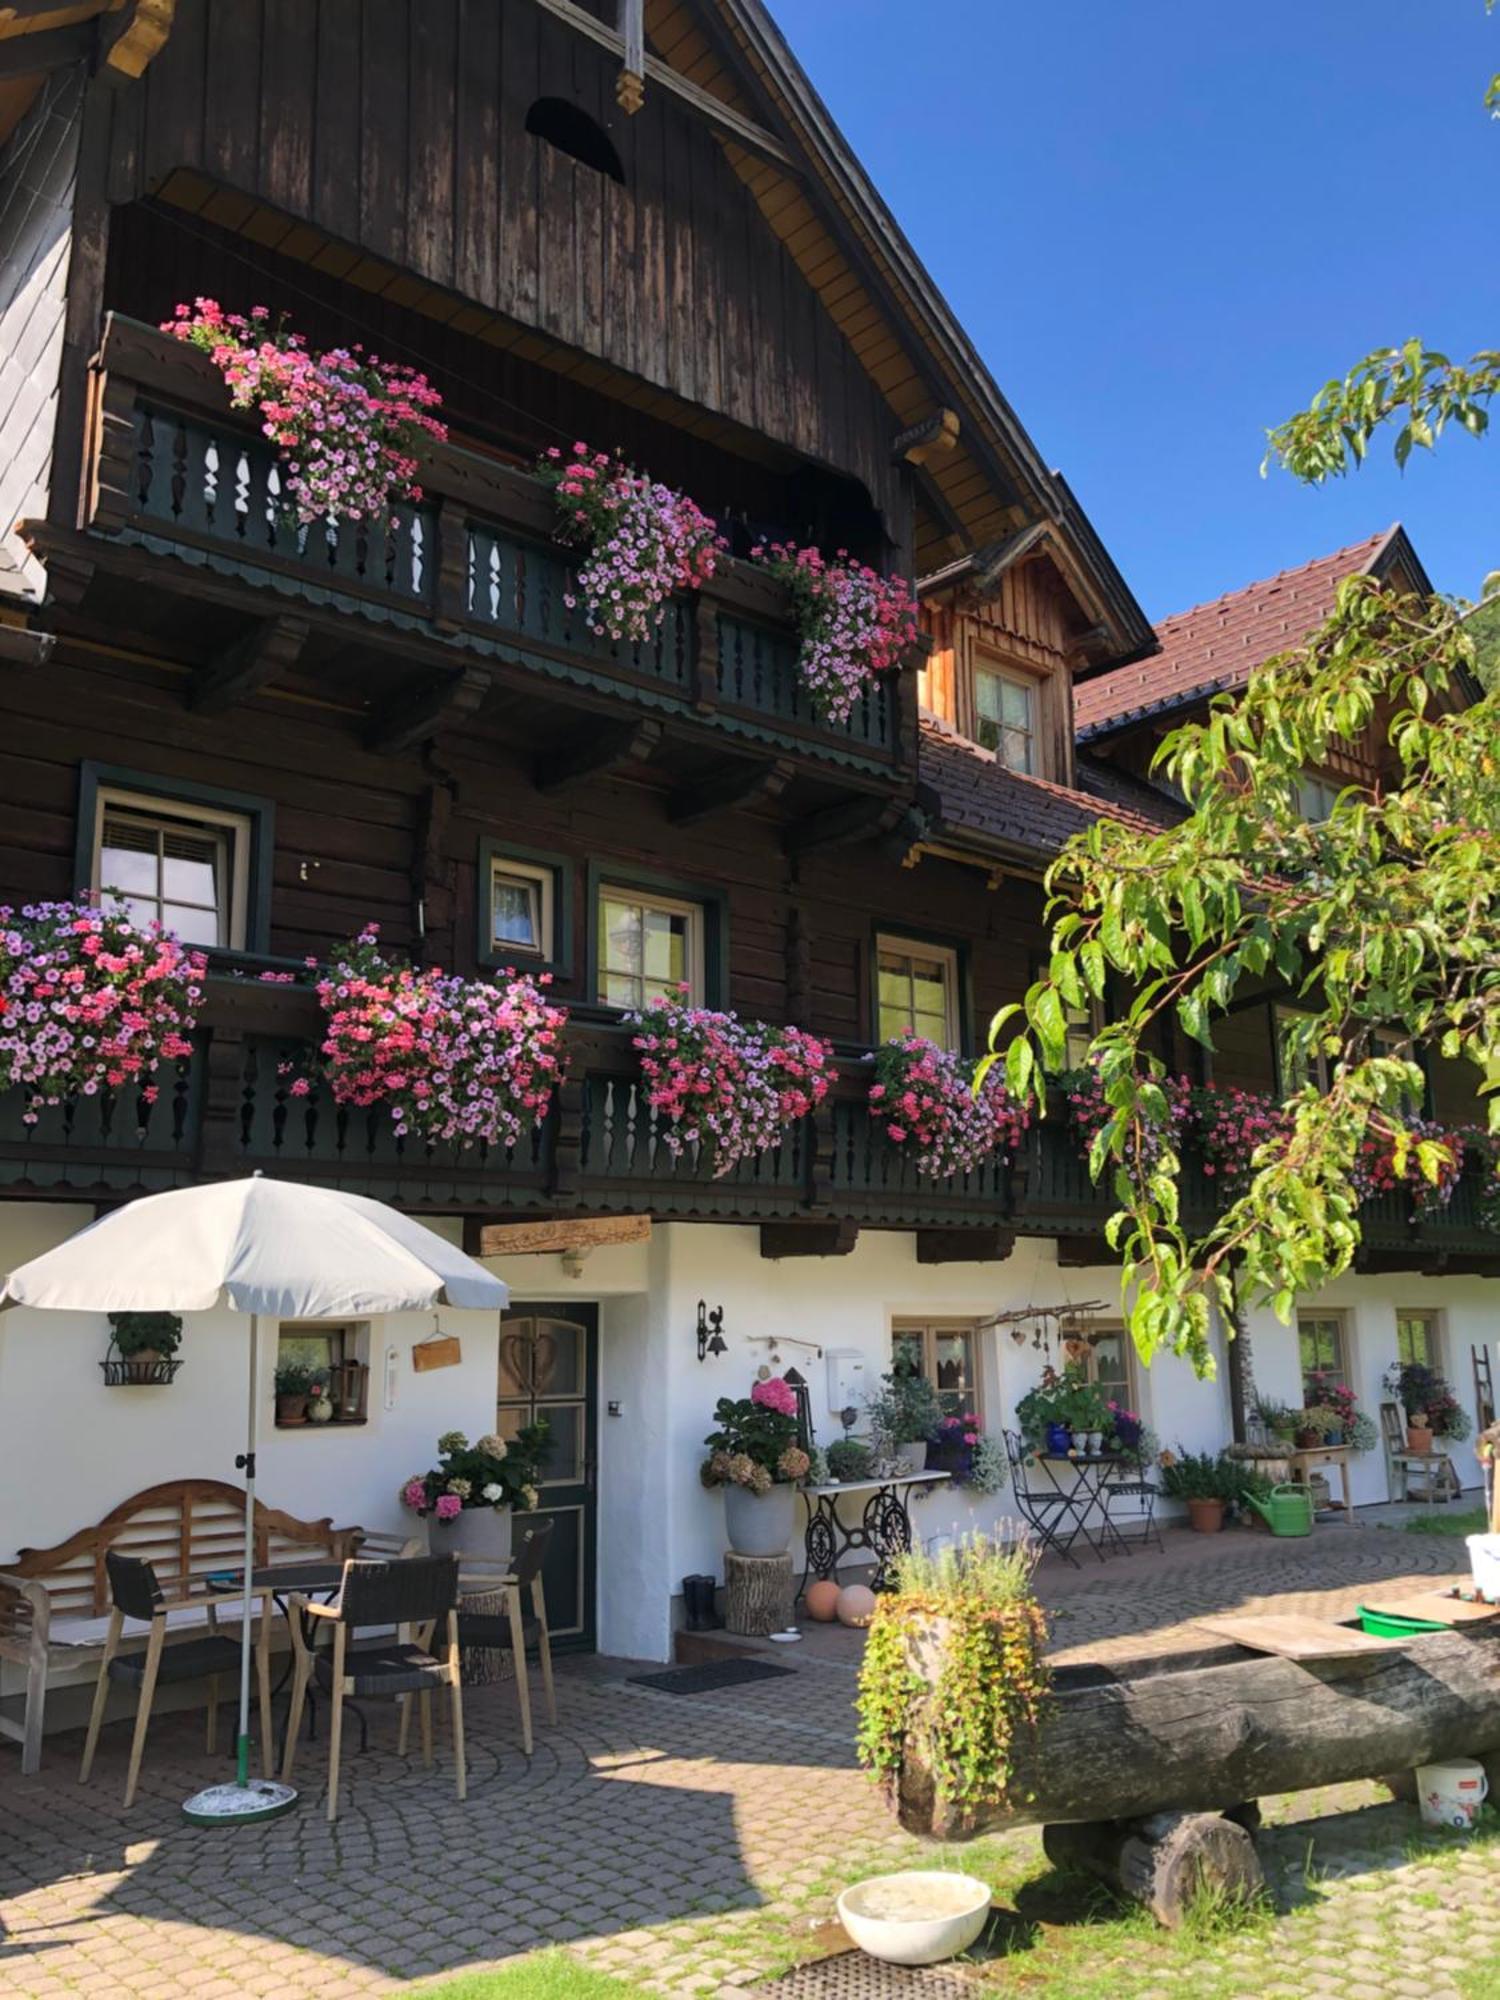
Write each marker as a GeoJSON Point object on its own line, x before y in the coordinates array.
{"type": "Point", "coordinates": [1217, 646]}
{"type": "Point", "coordinates": [1006, 810]}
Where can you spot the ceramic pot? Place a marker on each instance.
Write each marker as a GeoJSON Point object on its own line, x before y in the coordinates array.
{"type": "Point", "coordinates": [759, 1524]}
{"type": "Point", "coordinates": [320, 1411]}
{"type": "Point", "coordinates": [1418, 1438]}
{"type": "Point", "coordinates": [1094, 1443]}
{"type": "Point", "coordinates": [1058, 1438]}
{"type": "Point", "coordinates": [1205, 1517]}
{"type": "Point", "coordinates": [481, 1532]}
{"type": "Point", "coordinates": [913, 1457]}
{"type": "Point", "coordinates": [1335, 1436]}
{"type": "Point", "coordinates": [291, 1410]}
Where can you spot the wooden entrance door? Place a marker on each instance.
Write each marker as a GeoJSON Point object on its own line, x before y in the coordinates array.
{"type": "Point", "coordinates": [549, 1368]}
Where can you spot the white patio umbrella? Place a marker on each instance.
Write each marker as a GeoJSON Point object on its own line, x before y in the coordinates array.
{"type": "Point", "coordinates": [259, 1247]}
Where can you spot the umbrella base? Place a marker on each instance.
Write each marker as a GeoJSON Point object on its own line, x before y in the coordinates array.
{"type": "Point", "coordinates": [239, 1805]}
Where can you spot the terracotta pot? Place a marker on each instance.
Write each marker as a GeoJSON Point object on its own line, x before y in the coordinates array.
{"type": "Point", "coordinates": [1418, 1438]}
{"type": "Point", "coordinates": [1205, 1517]}
{"type": "Point", "coordinates": [291, 1410]}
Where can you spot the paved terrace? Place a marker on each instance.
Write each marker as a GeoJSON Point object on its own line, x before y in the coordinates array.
{"type": "Point", "coordinates": [686, 1841]}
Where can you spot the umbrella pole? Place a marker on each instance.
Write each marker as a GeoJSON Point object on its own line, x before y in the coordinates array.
{"type": "Point", "coordinates": [242, 1745]}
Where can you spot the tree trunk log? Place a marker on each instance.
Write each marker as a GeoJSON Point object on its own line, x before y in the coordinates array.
{"type": "Point", "coordinates": [1201, 1735]}
{"type": "Point", "coordinates": [1164, 1861]}
{"type": "Point", "coordinates": [757, 1594]}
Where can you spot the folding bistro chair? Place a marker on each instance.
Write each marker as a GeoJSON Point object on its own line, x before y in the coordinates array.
{"type": "Point", "coordinates": [515, 1630]}
{"type": "Point", "coordinates": [135, 1593]}
{"type": "Point", "coordinates": [1044, 1508]}
{"type": "Point", "coordinates": [420, 1592]}
{"type": "Point", "coordinates": [1136, 1487]}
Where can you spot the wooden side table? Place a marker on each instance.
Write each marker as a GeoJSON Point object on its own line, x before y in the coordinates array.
{"type": "Point", "coordinates": [1316, 1459]}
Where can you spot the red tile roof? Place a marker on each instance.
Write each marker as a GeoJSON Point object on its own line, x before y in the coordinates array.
{"type": "Point", "coordinates": [1218, 645]}
{"type": "Point", "coordinates": [980, 796]}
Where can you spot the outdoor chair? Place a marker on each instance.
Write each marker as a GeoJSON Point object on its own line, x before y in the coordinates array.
{"type": "Point", "coordinates": [135, 1593]}
{"type": "Point", "coordinates": [515, 1630]}
{"type": "Point", "coordinates": [1433, 1470]}
{"type": "Point", "coordinates": [1044, 1508]}
{"type": "Point", "coordinates": [419, 1593]}
{"type": "Point", "coordinates": [1133, 1485]}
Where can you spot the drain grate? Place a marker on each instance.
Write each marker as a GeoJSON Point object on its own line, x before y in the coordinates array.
{"type": "Point", "coordinates": [854, 1975]}
{"type": "Point", "coordinates": [710, 1675]}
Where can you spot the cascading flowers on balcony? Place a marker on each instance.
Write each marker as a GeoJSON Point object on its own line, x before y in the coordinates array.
{"type": "Point", "coordinates": [1089, 1110]}
{"type": "Point", "coordinates": [854, 622]}
{"type": "Point", "coordinates": [1376, 1170]}
{"type": "Point", "coordinates": [923, 1097]}
{"type": "Point", "coordinates": [90, 1001]}
{"type": "Point", "coordinates": [456, 1060]}
{"type": "Point", "coordinates": [735, 1087]}
{"type": "Point", "coordinates": [644, 542]}
{"type": "Point", "coordinates": [348, 424]}
{"type": "Point", "coordinates": [1231, 1124]}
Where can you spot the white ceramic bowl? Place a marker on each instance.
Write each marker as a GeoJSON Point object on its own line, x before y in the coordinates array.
{"type": "Point", "coordinates": [917, 1917]}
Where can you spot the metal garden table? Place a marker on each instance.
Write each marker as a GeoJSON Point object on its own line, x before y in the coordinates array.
{"type": "Point", "coordinates": [883, 1529]}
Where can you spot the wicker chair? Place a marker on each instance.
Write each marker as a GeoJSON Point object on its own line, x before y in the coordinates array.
{"type": "Point", "coordinates": [135, 1593]}
{"type": "Point", "coordinates": [419, 1593]}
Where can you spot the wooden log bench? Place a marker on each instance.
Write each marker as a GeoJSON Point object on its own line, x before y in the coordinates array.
{"type": "Point", "coordinates": [1148, 1773]}
{"type": "Point", "coordinates": [54, 1603]}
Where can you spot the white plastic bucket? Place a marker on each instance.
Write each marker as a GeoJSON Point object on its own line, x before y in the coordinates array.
{"type": "Point", "coordinates": [1484, 1564]}
{"type": "Point", "coordinates": [1451, 1794]}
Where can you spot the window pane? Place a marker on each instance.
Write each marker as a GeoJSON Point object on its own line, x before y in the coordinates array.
{"type": "Point", "coordinates": [1414, 1339]}
{"type": "Point", "coordinates": [1014, 750]}
{"type": "Point", "coordinates": [664, 947]}
{"type": "Point", "coordinates": [953, 1359]}
{"type": "Point", "coordinates": [621, 990]}
{"type": "Point", "coordinates": [192, 925]}
{"type": "Point", "coordinates": [1321, 1342]}
{"type": "Point", "coordinates": [318, 1351]}
{"type": "Point", "coordinates": [1015, 704]}
{"type": "Point", "coordinates": [127, 858]}
{"type": "Point", "coordinates": [1111, 1365]}
{"type": "Point", "coordinates": [619, 936]}
{"type": "Point", "coordinates": [190, 870]}
{"type": "Point", "coordinates": [516, 912]}
{"type": "Point", "coordinates": [906, 1351]}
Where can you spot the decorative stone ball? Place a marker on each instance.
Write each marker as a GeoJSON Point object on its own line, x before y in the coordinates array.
{"type": "Point", "coordinates": [856, 1604]}
{"type": "Point", "coordinates": [822, 1600]}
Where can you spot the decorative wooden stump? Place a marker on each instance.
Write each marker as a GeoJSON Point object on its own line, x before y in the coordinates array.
{"type": "Point", "coordinates": [1166, 1859]}
{"type": "Point", "coordinates": [757, 1594]}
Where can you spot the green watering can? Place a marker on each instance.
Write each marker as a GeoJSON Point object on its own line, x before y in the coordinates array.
{"type": "Point", "coordinates": [1289, 1511]}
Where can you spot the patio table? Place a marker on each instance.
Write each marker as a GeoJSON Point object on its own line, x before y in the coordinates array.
{"type": "Point", "coordinates": [883, 1528]}
{"type": "Point", "coordinates": [322, 1579]}
{"type": "Point", "coordinates": [1086, 1498]}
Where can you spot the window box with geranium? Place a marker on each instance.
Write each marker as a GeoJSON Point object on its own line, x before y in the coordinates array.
{"type": "Point", "coordinates": [644, 542]}
{"type": "Point", "coordinates": [854, 623]}
{"type": "Point", "coordinates": [755, 1456]}
{"type": "Point", "coordinates": [468, 1497]}
{"type": "Point", "coordinates": [457, 1061]}
{"type": "Point", "coordinates": [348, 425]}
{"type": "Point", "coordinates": [91, 1003]}
{"type": "Point", "coordinates": [1231, 1125]}
{"type": "Point", "coordinates": [734, 1088]}
{"type": "Point", "coordinates": [923, 1100]}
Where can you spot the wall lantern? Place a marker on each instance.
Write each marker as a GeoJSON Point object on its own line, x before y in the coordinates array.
{"type": "Point", "coordinates": [711, 1331]}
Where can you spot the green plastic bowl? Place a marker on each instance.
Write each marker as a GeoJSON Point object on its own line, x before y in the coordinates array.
{"type": "Point", "coordinates": [1382, 1625]}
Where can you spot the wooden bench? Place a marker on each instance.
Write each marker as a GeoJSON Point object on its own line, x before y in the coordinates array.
{"type": "Point", "coordinates": [54, 1603]}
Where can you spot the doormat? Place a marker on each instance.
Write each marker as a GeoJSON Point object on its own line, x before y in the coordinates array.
{"type": "Point", "coordinates": [709, 1677]}
{"type": "Point", "coordinates": [854, 1975]}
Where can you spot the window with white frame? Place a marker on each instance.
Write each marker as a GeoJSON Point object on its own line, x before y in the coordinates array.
{"type": "Point", "coordinates": [1316, 797]}
{"type": "Point", "coordinates": [1419, 1339]}
{"type": "Point", "coordinates": [1323, 1350]}
{"type": "Point", "coordinates": [1107, 1358]}
{"type": "Point", "coordinates": [1005, 710]}
{"type": "Point", "coordinates": [648, 945]}
{"type": "Point", "coordinates": [183, 866]}
{"type": "Point", "coordinates": [522, 920]}
{"type": "Point", "coordinates": [945, 1353]}
{"type": "Point", "coordinates": [916, 990]}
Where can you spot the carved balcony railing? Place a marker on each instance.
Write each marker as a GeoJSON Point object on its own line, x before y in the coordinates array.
{"type": "Point", "coordinates": [472, 566]}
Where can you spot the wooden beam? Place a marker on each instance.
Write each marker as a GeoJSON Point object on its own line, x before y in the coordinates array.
{"type": "Point", "coordinates": [808, 1239]}
{"type": "Point", "coordinates": [840, 825]}
{"type": "Point", "coordinates": [537, 1239]}
{"type": "Point", "coordinates": [730, 123]}
{"type": "Point", "coordinates": [933, 438]}
{"type": "Point", "coordinates": [267, 650]}
{"type": "Point", "coordinates": [141, 36]}
{"type": "Point", "coordinates": [413, 717]}
{"type": "Point", "coordinates": [964, 1246]}
{"type": "Point", "coordinates": [605, 749]}
{"type": "Point", "coordinates": [936, 501]}
{"type": "Point", "coordinates": [729, 787]}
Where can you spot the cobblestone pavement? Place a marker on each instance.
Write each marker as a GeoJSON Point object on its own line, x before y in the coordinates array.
{"type": "Point", "coordinates": [679, 1840]}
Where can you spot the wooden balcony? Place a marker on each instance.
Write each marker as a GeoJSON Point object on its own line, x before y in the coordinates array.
{"type": "Point", "coordinates": [467, 583]}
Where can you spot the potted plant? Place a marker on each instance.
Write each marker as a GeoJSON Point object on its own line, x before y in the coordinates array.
{"type": "Point", "coordinates": [1317, 1424]}
{"type": "Point", "coordinates": [849, 1459]}
{"type": "Point", "coordinates": [1062, 1411]}
{"type": "Point", "coordinates": [1087, 1413]}
{"type": "Point", "coordinates": [293, 1381]}
{"type": "Point", "coordinates": [1417, 1388]}
{"type": "Point", "coordinates": [1200, 1479]}
{"type": "Point", "coordinates": [755, 1456]}
{"type": "Point", "coordinates": [467, 1498]}
{"type": "Point", "coordinates": [904, 1413]}
{"type": "Point", "coordinates": [145, 1343]}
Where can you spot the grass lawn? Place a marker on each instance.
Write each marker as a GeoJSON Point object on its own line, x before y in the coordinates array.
{"type": "Point", "coordinates": [550, 1975]}
{"type": "Point", "coordinates": [1472, 1521]}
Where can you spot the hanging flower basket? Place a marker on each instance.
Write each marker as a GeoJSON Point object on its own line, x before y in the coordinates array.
{"type": "Point", "coordinates": [348, 425]}
{"type": "Point", "coordinates": [923, 1098]}
{"type": "Point", "coordinates": [644, 542]}
{"type": "Point", "coordinates": [734, 1087]}
{"type": "Point", "coordinates": [855, 624]}
{"type": "Point", "coordinates": [457, 1061]}
{"type": "Point", "coordinates": [141, 1349]}
{"type": "Point", "coordinates": [91, 1002]}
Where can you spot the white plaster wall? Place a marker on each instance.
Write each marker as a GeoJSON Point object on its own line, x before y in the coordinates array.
{"type": "Point", "coordinates": [1470, 1307]}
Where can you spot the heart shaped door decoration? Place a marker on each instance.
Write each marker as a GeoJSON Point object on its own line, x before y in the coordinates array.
{"type": "Point", "coordinates": [529, 1360]}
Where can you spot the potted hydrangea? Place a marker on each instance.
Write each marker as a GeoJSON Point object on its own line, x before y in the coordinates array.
{"type": "Point", "coordinates": [756, 1457]}
{"type": "Point", "coordinates": [467, 1498]}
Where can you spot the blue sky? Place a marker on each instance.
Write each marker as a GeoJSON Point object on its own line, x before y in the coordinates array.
{"type": "Point", "coordinates": [1166, 222]}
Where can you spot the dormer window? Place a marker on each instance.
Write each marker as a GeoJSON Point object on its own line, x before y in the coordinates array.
{"type": "Point", "coordinates": [1005, 716]}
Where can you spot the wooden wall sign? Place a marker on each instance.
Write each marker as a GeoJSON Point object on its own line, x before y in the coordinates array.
{"type": "Point", "coordinates": [528, 1239]}
{"type": "Point", "coordinates": [444, 1352]}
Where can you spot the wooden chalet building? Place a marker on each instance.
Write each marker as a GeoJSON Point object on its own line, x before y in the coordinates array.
{"type": "Point", "coordinates": [286, 735]}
